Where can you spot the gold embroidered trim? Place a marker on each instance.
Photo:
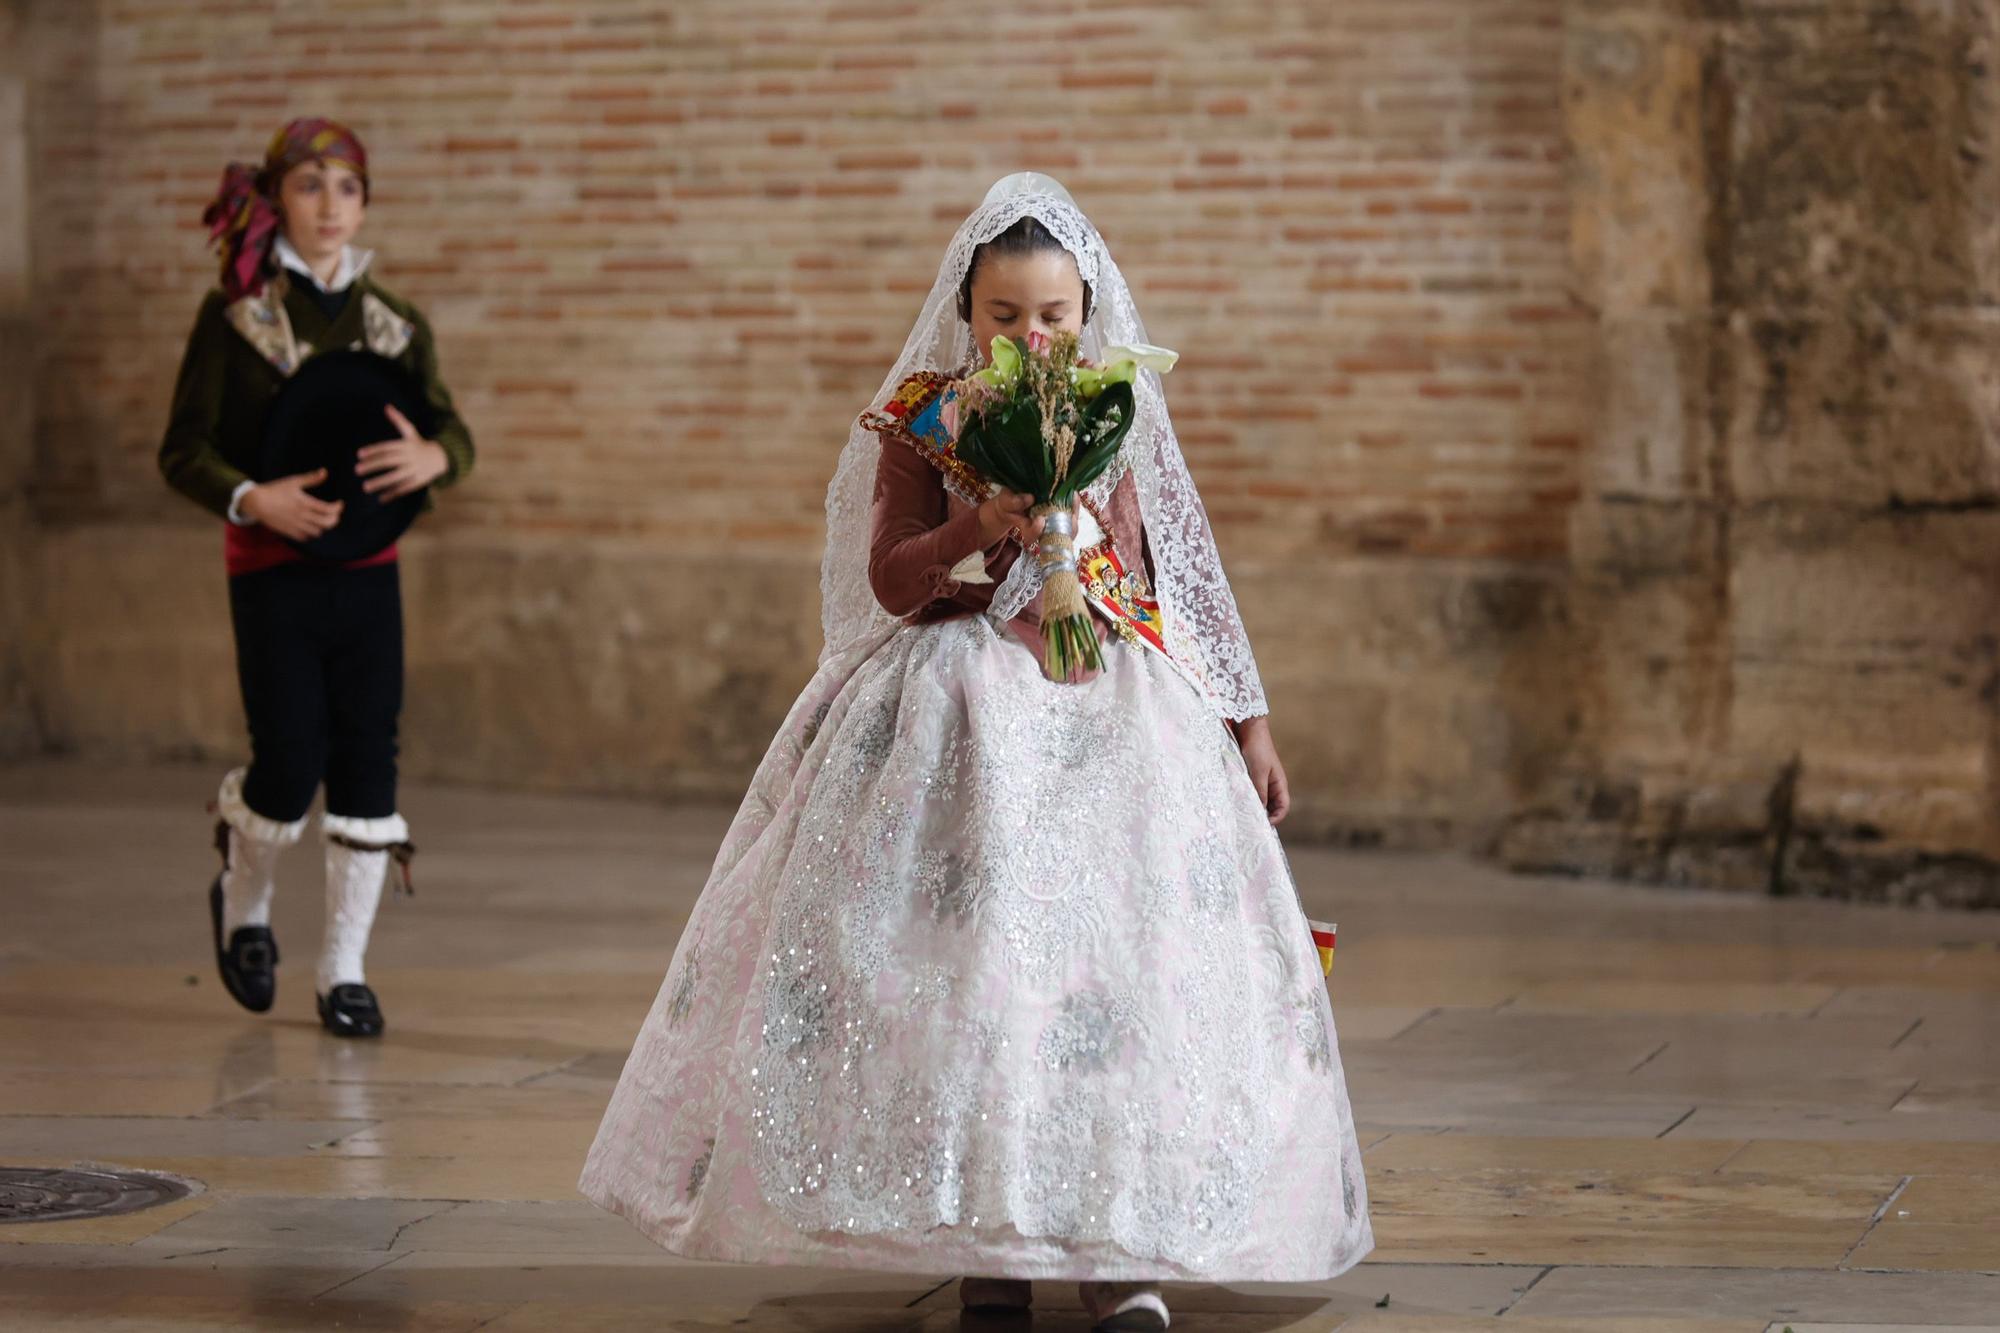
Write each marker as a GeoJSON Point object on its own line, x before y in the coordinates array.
{"type": "Point", "coordinates": [387, 333]}
{"type": "Point", "coordinates": [262, 321]}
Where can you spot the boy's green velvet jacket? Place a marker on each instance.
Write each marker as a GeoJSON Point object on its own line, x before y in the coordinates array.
{"type": "Point", "coordinates": [238, 356]}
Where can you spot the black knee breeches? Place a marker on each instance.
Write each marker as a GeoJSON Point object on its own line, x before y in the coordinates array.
{"type": "Point", "coordinates": [319, 654]}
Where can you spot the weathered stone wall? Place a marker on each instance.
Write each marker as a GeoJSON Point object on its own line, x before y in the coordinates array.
{"type": "Point", "coordinates": [1786, 219]}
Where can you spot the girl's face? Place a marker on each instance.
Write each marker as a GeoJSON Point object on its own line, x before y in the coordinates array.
{"type": "Point", "coordinates": [1015, 295]}
{"type": "Point", "coordinates": [322, 203]}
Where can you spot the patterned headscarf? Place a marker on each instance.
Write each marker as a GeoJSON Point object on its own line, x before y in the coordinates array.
{"type": "Point", "coordinates": [244, 221]}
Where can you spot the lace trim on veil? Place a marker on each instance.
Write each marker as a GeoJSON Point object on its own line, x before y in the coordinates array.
{"type": "Point", "coordinates": [1193, 591]}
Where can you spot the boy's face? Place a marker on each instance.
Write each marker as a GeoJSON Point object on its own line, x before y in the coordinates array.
{"type": "Point", "coordinates": [1015, 295]}
{"type": "Point", "coordinates": [322, 203]}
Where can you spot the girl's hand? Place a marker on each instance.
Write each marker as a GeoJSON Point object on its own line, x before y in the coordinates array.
{"type": "Point", "coordinates": [395, 468]}
{"type": "Point", "coordinates": [285, 508]}
{"type": "Point", "coordinates": [1260, 756]}
{"type": "Point", "coordinates": [1007, 511]}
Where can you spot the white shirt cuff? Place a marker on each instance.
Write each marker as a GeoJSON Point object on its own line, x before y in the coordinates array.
{"type": "Point", "coordinates": [243, 488]}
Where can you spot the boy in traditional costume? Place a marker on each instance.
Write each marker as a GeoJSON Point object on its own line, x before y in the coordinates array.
{"type": "Point", "coordinates": [319, 640]}
{"type": "Point", "coordinates": [995, 973]}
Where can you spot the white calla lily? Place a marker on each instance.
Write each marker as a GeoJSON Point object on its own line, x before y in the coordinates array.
{"type": "Point", "coordinates": [1159, 360]}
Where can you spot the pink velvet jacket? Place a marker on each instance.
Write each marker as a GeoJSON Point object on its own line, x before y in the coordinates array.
{"type": "Point", "coordinates": [921, 530]}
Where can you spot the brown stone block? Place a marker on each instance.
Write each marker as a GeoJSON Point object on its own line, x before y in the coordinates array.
{"type": "Point", "coordinates": [1602, 11]}
{"type": "Point", "coordinates": [1390, 618]}
{"type": "Point", "coordinates": [1632, 97]}
{"type": "Point", "coordinates": [1413, 704]}
{"type": "Point", "coordinates": [21, 635]}
{"type": "Point", "coordinates": [1747, 825]}
{"type": "Point", "coordinates": [1858, 149]}
{"type": "Point", "coordinates": [1693, 821]}
{"type": "Point", "coordinates": [1651, 621]}
{"type": "Point", "coordinates": [1656, 673]}
{"type": "Point", "coordinates": [1613, 819]}
{"type": "Point", "coordinates": [1731, 863]}
{"type": "Point", "coordinates": [1620, 542]}
{"type": "Point", "coordinates": [602, 667]}
{"type": "Point", "coordinates": [1825, 865]}
{"type": "Point", "coordinates": [1865, 411]}
{"type": "Point", "coordinates": [1454, 750]}
{"type": "Point", "coordinates": [1864, 639]}
{"type": "Point", "coordinates": [1931, 806]}
{"type": "Point", "coordinates": [1335, 739]}
{"type": "Point", "coordinates": [537, 664]}
{"type": "Point", "coordinates": [133, 656]}
{"type": "Point", "coordinates": [1651, 431]}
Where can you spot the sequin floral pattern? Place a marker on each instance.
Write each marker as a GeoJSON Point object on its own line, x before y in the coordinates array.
{"type": "Point", "coordinates": [912, 1045]}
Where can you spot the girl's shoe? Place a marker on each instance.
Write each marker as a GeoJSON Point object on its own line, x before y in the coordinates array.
{"type": "Point", "coordinates": [995, 1293]}
{"type": "Point", "coordinates": [1124, 1307]}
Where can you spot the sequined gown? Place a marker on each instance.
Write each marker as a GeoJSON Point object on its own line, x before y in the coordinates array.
{"type": "Point", "coordinates": [993, 975]}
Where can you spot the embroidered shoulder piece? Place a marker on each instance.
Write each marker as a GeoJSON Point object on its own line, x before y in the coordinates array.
{"type": "Point", "coordinates": [914, 415]}
{"type": "Point", "coordinates": [262, 321]}
{"type": "Point", "coordinates": [387, 333]}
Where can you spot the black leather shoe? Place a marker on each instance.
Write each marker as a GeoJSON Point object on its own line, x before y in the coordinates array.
{"type": "Point", "coordinates": [351, 1011]}
{"type": "Point", "coordinates": [249, 963]}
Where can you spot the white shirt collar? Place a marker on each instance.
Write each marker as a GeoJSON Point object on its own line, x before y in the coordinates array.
{"type": "Point", "coordinates": [353, 263]}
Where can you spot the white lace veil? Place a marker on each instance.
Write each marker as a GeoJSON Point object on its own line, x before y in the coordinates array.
{"type": "Point", "coordinates": [1203, 623]}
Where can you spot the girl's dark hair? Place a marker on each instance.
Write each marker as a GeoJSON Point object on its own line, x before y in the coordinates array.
{"type": "Point", "coordinates": [1026, 237]}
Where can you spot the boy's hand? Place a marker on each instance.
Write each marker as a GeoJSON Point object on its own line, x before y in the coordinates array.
{"type": "Point", "coordinates": [285, 508]}
{"type": "Point", "coordinates": [394, 468]}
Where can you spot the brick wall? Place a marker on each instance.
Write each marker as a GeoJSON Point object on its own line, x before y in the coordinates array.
{"type": "Point", "coordinates": [671, 249]}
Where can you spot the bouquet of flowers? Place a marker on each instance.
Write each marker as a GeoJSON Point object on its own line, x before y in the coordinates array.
{"type": "Point", "coordinates": [1040, 421]}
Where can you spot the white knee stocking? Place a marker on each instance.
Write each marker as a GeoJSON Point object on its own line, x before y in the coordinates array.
{"type": "Point", "coordinates": [357, 866]}
{"type": "Point", "coordinates": [250, 857]}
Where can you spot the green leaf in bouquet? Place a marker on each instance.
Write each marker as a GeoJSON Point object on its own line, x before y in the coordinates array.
{"type": "Point", "coordinates": [1106, 421]}
{"type": "Point", "coordinates": [993, 464]}
{"type": "Point", "coordinates": [1004, 445]}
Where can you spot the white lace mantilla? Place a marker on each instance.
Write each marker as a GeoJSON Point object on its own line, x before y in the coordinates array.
{"type": "Point", "coordinates": [1194, 593]}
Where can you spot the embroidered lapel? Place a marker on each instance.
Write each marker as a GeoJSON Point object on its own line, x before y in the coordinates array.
{"type": "Point", "coordinates": [386, 332]}
{"type": "Point", "coordinates": [262, 321]}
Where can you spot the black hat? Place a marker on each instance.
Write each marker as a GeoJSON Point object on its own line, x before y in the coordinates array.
{"type": "Point", "coordinates": [331, 408]}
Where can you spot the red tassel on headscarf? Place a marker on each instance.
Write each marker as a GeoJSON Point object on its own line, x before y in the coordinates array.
{"type": "Point", "coordinates": [244, 221]}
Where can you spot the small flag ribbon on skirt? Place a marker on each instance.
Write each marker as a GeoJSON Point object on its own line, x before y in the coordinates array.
{"type": "Point", "coordinates": [1322, 933]}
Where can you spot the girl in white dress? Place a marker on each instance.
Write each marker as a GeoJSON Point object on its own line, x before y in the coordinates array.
{"type": "Point", "coordinates": [995, 974]}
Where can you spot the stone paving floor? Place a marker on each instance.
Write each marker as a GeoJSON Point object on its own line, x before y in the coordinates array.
{"type": "Point", "coordinates": [1586, 1107]}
